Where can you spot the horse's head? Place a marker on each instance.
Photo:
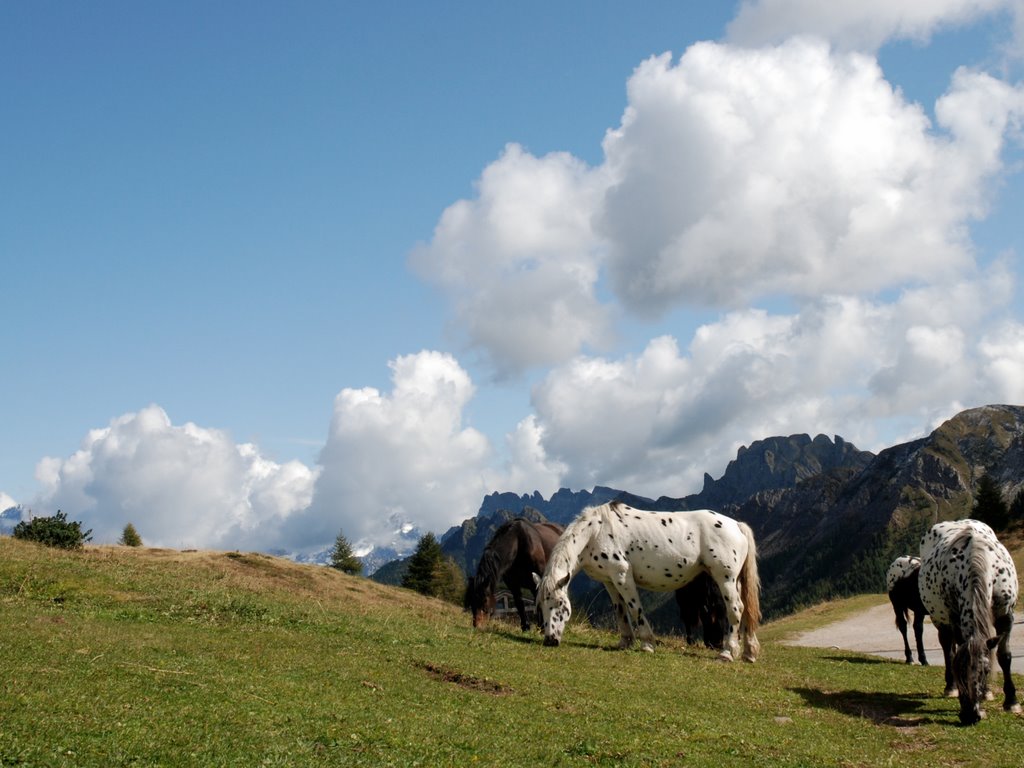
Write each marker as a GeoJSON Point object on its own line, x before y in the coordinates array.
{"type": "Point", "coordinates": [479, 601]}
{"type": "Point", "coordinates": [553, 606]}
{"type": "Point", "coordinates": [972, 664]}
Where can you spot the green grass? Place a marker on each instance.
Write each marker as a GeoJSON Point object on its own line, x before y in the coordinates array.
{"type": "Point", "coordinates": [135, 657]}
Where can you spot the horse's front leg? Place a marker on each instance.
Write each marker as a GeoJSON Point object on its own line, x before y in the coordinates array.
{"type": "Point", "coordinates": [626, 637]}
{"type": "Point", "coordinates": [634, 611]}
{"type": "Point", "coordinates": [946, 641]}
{"type": "Point", "coordinates": [524, 617]}
{"type": "Point", "coordinates": [1003, 626]}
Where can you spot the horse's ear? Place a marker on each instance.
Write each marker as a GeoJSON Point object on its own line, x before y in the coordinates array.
{"type": "Point", "coordinates": [536, 579]}
{"type": "Point", "coordinates": [563, 582]}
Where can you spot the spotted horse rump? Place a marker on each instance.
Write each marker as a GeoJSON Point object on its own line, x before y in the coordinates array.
{"type": "Point", "coordinates": [968, 584]}
{"type": "Point", "coordinates": [626, 548]}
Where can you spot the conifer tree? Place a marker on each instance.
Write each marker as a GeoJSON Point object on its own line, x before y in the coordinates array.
{"type": "Point", "coordinates": [130, 537]}
{"type": "Point", "coordinates": [989, 506]}
{"type": "Point", "coordinates": [343, 558]}
{"type": "Point", "coordinates": [423, 565]}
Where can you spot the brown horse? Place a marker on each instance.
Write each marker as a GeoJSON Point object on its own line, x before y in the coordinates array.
{"type": "Point", "coordinates": [700, 603]}
{"type": "Point", "coordinates": [517, 550]}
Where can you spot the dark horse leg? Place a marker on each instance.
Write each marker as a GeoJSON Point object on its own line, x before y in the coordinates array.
{"type": "Point", "coordinates": [948, 649]}
{"type": "Point", "coordinates": [517, 597]}
{"type": "Point", "coordinates": [919, 636]}
{"type": "Point", "coordinates": [1003, 625]}
{"type": "Point", "coordinates": [901, 625]}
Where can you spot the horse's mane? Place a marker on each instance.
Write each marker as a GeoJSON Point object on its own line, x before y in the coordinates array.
{"type": "Point", "coordinates": [978, 567]}
{"type": "Point", "coordinates": [488, 570]}
{"type": "Point", "coordinates": [564, 559]}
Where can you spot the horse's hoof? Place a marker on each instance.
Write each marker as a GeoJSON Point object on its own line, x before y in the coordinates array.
{"type": "Point", "coordinates": [950, 693]}
{"type": "Point", "coordinates": [725, 656]}
{"type": "Point", "coordinates": [647, 647]}
{"type": "Point", "coordinates": [749, 658]}
{"type": "Point", "coordinates": [550, 641]}
{"type": "Point", "coordinates": [989, 696]}
{"type": "Point", "coordinates": [1014, 708]}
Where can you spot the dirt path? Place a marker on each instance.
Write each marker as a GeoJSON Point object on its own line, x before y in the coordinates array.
{"type": "Point", "coordinates": [874, 631]}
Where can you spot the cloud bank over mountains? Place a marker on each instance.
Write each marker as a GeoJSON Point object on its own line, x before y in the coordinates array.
{"type": "Point", "coordinates": [777, 179]}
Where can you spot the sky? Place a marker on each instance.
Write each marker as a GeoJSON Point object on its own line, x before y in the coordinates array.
{"type": "Point", "coordinates": [274, 272]}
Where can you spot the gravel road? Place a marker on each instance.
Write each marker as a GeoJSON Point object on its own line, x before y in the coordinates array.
{"type": "Point", "coordinates": [874, 632]}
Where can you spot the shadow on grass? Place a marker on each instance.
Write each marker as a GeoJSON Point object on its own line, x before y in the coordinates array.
{"type": "Point", "coordinates": [899, 710]}
{"type": "Point", "coordinates": [862, 659]}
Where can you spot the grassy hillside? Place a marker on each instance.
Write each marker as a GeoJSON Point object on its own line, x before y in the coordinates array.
{"type": "Point", "coordinates": [137, 657]}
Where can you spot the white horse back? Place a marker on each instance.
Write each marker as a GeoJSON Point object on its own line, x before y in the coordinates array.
{"type": "Point", "coordinates": [663, 550]}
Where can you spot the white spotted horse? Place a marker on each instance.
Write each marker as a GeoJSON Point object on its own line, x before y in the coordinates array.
{"type": "Point", "coordinates": [968, 585]}
{"type": "Point", "coordinates": [901, 584]}
{"type": "Point", "coordinates": [626, 548]}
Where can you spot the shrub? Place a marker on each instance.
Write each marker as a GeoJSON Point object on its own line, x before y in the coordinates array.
{"type": "Point", "coordinates": [53, 531]}
{"type": "Point", "coordinates": [343, 558]}
{"type": "Point", "coordinates": [130, 537]}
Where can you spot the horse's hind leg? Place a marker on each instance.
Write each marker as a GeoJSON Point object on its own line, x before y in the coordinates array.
{"type": "Point", "coordinates": [901, 625]}
{"type": "Point", "coordinates": [919, 637]}
{"type": "Point", "coordinates": [733, 615]}
{"type": "Point", "coordinates": [1003, 626]}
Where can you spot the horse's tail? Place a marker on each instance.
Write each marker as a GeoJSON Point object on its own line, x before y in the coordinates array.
{"type": "Point", "coordinates": [750, 594]}
{"type": "Point", "coordinates": [979, 589]}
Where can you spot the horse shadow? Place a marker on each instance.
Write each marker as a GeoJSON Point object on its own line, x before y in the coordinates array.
{"type": "Point", "coordinates": [899, 710]}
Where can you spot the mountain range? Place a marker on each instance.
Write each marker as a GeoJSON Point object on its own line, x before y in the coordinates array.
{"type": "Point", "coordinates": [828, 517]}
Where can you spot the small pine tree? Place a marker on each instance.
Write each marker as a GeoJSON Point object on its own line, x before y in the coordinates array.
{"type": "Point", "coordinates": [343, 558]}
{"type": "Point", "coordinates": [989, 506]}
{"type": "Point", "coordinates": [130, 537]}
{"type": "Point", "coordinates": [423, 565]}
{"type": "Point", "coordinates": [53, 531]}
{"type": "Point", "coordinates": [449, 581]}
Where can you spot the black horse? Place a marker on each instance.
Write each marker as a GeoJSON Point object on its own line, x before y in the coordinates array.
{"type": "Point", "coordinates": [901, 583]}
{"type": "Point", "coordinates": [517, 550]}
{"type": "Point", "coordinates": [701, 605]}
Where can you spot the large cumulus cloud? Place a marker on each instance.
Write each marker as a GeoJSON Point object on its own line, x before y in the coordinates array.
{"type": "Point", "coordinates": [521, 256]}
{"type": "Point", "coordinates": [864, 369]}
{"type": "Point", "coordinates": [792, 170]}
{"type": "Point", "coordinates": [180, 485]}
{"type": "Point", "coordinates": [397, 458]}
{"type": "Point", "coordinates": [737, 174]}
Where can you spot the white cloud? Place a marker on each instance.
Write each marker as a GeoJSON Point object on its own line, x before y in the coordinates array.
{"type": "Point", "coordinates": [518, 262]}
{"type": "Point", "coordinates": [841, 365]}
{"type": "Point", "coordinates": [6, 502]}
{"type": "Point", "coordinates": [178, 485]}
{"type": "Point", "coordinates": [736, 174]}
{"type": "Point", "coordinates": [1003, 359]}
{"type": "Point", "coordinates": [792, 170]}
{"type": "Point", "coordinates": [398, 457]}
{"type": "Point", "coordinates": [859, 24]}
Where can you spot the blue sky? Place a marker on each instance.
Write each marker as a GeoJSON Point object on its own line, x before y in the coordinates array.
{"type": "Point", "coordinates": [270, 272]}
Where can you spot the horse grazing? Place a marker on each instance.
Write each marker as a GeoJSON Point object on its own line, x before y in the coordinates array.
{"type": "Point", "coordinates": [901, 584]}
{"type": "Point", "coordinates": [700, 604]}
{"type": "Point", "coordinates": [625, 548]}
{"type": "Point", "coordinates": [516, 551]}
{"type": "Point", "coordinates": [969, 586]}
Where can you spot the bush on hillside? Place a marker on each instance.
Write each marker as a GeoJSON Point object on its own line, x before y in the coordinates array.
{"type": "Point", "coordinates": [130, 537]}
{"type": "Point", "coordinates": [53, 531]}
